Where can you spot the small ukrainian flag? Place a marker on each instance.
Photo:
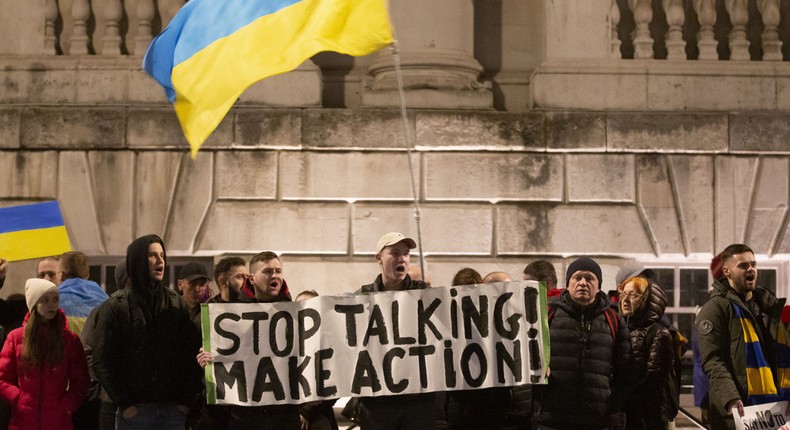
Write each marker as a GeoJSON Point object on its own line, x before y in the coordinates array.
{"type": "Point", "coordinates": [32, 231]}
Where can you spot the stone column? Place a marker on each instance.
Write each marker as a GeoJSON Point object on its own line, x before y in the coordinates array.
{"type": "Point", "coordinates": [578, 30]}
{"type": "Point", "coordinates": [435, 40]}
{"type": "Point", "coordinates": [22, 28]}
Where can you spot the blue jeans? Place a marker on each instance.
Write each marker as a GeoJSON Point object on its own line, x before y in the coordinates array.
{"type": "Point", "coordinates": [152, 416]}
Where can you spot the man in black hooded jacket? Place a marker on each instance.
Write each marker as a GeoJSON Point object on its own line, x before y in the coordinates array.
{"type": "Point", "coordinates": [145, 344]}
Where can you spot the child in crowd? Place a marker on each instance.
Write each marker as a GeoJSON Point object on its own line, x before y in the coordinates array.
{"type": "Point", "coordinates": [43, 372]}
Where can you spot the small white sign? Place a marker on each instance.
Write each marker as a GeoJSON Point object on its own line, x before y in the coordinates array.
{"type": "Point", "coordinates": [768, 416]}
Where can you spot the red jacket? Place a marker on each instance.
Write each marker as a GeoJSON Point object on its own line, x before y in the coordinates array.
{"type": "Point", "coordinates": [43, 397]}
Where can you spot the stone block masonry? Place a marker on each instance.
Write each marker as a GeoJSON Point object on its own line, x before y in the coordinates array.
{"type": "Point", "coordinates": [321, 185]}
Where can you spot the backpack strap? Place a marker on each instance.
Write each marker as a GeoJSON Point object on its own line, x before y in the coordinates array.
{"type": "Point", "coordinates": [614, 325]}
{"type": "Point", "coordinates": [552, 311]}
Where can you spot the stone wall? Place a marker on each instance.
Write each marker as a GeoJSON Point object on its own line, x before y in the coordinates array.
{"type": "Point", "coordinates": [321, 185]}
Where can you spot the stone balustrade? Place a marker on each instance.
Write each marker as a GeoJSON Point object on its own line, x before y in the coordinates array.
{"type": "Point", "coordinates": [698, 29]}
{"type": "Point", "coordinates": [104, 27]}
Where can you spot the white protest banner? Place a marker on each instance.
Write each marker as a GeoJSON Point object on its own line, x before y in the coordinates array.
{"type": "Point", "coordinates": [417, 341]}
{"type": "Point", "coordinates": [768, 416]}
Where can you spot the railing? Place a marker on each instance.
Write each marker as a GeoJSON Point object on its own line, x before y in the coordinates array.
{"type": "Point", "coordinates": [104, 27]}
{"type": "Point", "coordinates": [700, 29]}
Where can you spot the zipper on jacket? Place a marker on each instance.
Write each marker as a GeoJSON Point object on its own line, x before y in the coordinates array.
{"type": "Point", "coordinates": [584, 340]}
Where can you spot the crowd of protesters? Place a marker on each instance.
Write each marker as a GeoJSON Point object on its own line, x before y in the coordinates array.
{"type": "Point", "coordinates": [78, 358]}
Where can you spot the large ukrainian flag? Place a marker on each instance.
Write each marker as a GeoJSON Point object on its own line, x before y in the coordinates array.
{"type": "Point", "coordinates": [32, 231]}
{"type": "Point", "coordinates": [213, 50]}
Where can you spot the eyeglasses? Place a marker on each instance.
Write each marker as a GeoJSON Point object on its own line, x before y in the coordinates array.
{"type": "Point", "coordinates": [632, 295]}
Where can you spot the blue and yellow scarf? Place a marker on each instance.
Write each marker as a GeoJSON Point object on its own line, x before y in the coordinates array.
{"type": "Point", "coordinates": [762, 388]}
{"type": "Point", "coordinates": [783, 359]}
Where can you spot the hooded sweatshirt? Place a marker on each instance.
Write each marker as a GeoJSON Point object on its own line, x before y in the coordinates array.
{"type": "Point", "coordinates": [144, 341]}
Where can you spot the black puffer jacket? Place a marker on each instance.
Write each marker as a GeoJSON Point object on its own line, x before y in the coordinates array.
{"type": "Point", "coordinates": [589, 370]}
{"type": "Point", "coordinates": [144, 341]}
{"type": "Point", "coordinates": [653, 360]}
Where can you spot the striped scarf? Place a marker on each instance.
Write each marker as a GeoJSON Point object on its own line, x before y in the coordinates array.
{"type": "Point", "coordinates": [783, 359]}
{"type": "Point", "coordinates": [760, 378]}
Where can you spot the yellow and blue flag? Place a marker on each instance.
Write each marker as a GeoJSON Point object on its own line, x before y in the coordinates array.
{"type": "Point", "coordinates": [213, 50]}
{"type": "Point", "coordinates": [32, 231]}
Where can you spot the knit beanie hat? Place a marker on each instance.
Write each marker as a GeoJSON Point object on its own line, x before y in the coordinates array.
{"type": "Point", "coordinates": [35, 288]}
{"type": "Point", "coordinates": [586, 264]}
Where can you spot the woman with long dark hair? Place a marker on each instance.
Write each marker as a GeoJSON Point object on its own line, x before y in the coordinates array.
{"type": "Point", "coordinates": [43, 372]}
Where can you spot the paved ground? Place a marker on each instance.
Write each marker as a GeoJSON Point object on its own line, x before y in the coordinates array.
{"type": "Point", "coordinates": [687, 403]}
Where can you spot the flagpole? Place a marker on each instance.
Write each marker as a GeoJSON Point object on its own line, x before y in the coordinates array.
{"type": "Point", "coordinates": [407, 140]}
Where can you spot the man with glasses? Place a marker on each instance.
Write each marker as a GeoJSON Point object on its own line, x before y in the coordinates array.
{"type": "Point", "coordinates": [736, 338]}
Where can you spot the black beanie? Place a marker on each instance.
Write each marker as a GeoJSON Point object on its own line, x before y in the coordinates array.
{"type": "Point", "coordinates": [587, 264]}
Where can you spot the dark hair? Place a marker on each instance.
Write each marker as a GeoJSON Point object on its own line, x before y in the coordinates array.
{"type": "Point", "coordinates": [74, 264]}
{"type": "Point", "coordinates": [467, 276]}
{"type": "Point", "coordinates": [542, 271]}
{"type": "Point", "coordinates": [54, 258]}
{"type": "Point", "coordinates": [734, 249]}
{"type": "Point", "coordinates": [41, 349]}
{"type": "Point", "coordinates": [223, 266]}
{"type": "Point", "coordinates": [263, 257]}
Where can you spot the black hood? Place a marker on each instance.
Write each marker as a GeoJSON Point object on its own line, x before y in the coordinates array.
{"type": "Point", "coordinates": [144, 291]}
{"type": "Point", "coordinates": [137, 261]}
{"type": "Point", "coordinates": [652, 310]}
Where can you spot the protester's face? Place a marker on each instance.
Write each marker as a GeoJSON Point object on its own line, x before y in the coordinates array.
{"type": "Point", "coordinates": [741, 270]}
{"type": "Point", "coordinates": [394, 262]}
{"type": "Point", "coordinates": [156, 262]}
{"type": "Point", "coordinates": [47, 305]}
{"type": "Point", "coordinates": [193, 290]}
{"type": "Point", "coordinates": [631, 299]}
{"type": "Point", "coordinates": [268, 278]}
{"type": "Point", "coordinates": [234, 278]}
{"type": "Point", "coordinates": [48, 269]}
{"type": "Point", "coordinates": [583, 287]}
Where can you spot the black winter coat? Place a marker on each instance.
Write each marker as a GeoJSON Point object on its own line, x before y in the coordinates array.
{"type": "Point", "coordinates": [721, 344]}
{"type": "Point", "coordinates": [144, 342]}
{"type": "Point", "coordinates": [653, 360]}
{"type": "Point", "coordinates": [589, 370]}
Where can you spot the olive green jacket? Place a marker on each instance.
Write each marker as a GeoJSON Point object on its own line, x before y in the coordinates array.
{"type": "Point", "coordinates": [722, 349]}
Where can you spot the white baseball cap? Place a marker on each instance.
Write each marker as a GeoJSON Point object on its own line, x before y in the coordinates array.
{"type": "Point", "coordinates": [392, 238]}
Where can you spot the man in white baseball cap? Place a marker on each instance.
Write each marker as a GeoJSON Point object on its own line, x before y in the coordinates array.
{"type": "Point", "coordinates": [408, 411]}
{"type": "Point", "coordinates": [392, 254]}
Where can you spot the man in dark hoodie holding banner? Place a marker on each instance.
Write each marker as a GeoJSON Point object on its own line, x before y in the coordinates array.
{"type": "Point", "coordinates": [265, 284]}
{"type": "Point", "coordinates": [145, 344]}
